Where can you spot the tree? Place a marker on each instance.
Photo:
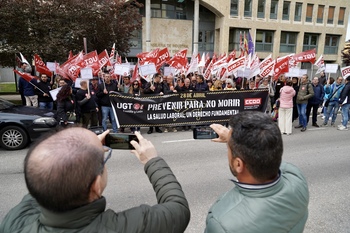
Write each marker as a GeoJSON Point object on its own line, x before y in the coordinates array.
{"type": "Point", "coordinates": [346, 53]}
{"type": "Point", "coordinates": [52, 28]}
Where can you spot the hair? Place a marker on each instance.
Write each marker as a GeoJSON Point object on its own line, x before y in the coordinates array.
{"type": "Point", "coordinates": [289, 83]}
{"type": "Point", "coordinates": [64, 92]}
{"type": "Point", "coordinates": [348, 79]}
{"type": "Point", "coordinates": [257, 140]}
{"type": "Point", "coordinates": [60, 178]}
{"type": "Point", "coordinates": [201, 77]}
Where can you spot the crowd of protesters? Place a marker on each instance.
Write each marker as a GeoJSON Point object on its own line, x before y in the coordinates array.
{"type": "Point", "coordinates": [295, 98]}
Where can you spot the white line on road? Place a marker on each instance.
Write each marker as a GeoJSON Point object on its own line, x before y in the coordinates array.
{"type": "Point", "coordinates": [183, 140]}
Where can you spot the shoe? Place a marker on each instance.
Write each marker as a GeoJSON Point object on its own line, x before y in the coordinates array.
{"type": "Point", "coordinates": [165, 130]}
{"type": "Point", "coordinates": [303, 129]}
{"type": "Point", "coordinates": [288, 134]}
{"type": "Point", "coordinates": [323, 117]}
{"type": "Point", "coordinates": [159, 131]}
{"type": "Point", "coordinates": [315, 125]}
{"type": "Point", "coordinates": [342, 128]}
{"type": "Point", "coordinates": [299, 126]}
{"type": "Point", "coordinates": [332, 124]}
{"type": "Point", "coordinates": [174, 130]}
{"type": "Point", "coordinates": [324, 124]}
{"type": "Point", "coordinates": [149, 131]}
{"type": "Point", "coordinates": [122, 130]}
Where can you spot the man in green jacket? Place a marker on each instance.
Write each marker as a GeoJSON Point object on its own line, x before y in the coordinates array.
{"type": "Point", "coordinates": [268, 196]}
{"type": "Point", "coordinates": [66, 185]}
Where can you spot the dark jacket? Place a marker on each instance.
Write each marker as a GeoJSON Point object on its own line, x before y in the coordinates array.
{"type": "Point", "coordinates": [63, 107]}
{"type": "Point", "coordinates": [345, 93]}
{"type": "Point", "coordinates": [86, 105]}
{"type": "Point", "coordinates": [318, 95]}
{"type": "Point", "coordinates": [45, 87]}
{"type": "Point", "coordinates": [25, 87]}
{"type": "Point", "coordinates": [104, 98]}
{"type": "Point", "coordinates": [202, 87]}
{"type": "Point", "coordinates": [171, 214]}
{"type": "Point", "coordinates": [158, 86]}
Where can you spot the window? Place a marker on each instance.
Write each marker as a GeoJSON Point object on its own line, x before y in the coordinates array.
{"type": "Point", "coordinates": [320, 12]}
{"type": "Point", "coordinates": [206, 40]}
{"type": "Point", "coordinates": [285, 14]}
{"type": "Point", "coordinates": [309, 9]}
{"type": "Point", "coordinates": [331, 44]}
{"type": "Point", "coordinates": [341, 16]}
{"type": "Point", "coordinates": [234, 38]}
{"type": "Point", "coordinates": [170, 9]}
{"type": "Point", "coordinates": [261, 9]}
{"type": "Point", "coordinates": [298, 9]}
{"type": "Point", "coordinates": [263, 42]}
{"type": "Point", "coordinates": [288, 42]}
{"type": "Point", "coordinates": [273, 9]}
{"type": "Point", "coordinates": [310, 41]}
{"type": "Point", "coordinates": [330, 15]}
{"type": "Point", "coordinates": [248, 8]}
{"type": "Point", "coordinates": [136, 39]}
{"type": "Point", "coordinates": [234, 8]}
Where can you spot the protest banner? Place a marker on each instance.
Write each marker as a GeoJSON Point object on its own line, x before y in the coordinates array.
{"type": "Point", "coordinates": [190, 108]}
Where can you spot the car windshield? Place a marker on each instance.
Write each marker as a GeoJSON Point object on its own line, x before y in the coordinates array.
{"type": "Point", "coordinates": [4, 104]}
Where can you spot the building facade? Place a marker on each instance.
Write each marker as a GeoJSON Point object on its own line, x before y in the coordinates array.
{"type": "Point", "coordinates": [277, 27]}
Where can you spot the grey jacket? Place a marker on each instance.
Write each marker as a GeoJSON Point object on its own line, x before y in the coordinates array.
{"type": "Point", "coordinates": [280, 206]}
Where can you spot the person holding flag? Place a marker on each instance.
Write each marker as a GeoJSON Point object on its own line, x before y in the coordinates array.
{"type": "Point", "coordinates": [44, 97]}
{"type": "Point", "coordinates": [26, 86]}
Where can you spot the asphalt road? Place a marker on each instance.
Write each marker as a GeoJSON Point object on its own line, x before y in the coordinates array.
{"type": "Point", "coordinates": [201, 167]}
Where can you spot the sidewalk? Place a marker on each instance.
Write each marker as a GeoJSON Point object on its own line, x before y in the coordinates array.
{"type": "Point", "coordinates": [11, 97]}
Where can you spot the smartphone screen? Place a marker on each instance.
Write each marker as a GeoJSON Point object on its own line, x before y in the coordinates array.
{"type": "Point", "coordinates": [120, 141]}
{"type": "Point", "coordinates": [204, 132]}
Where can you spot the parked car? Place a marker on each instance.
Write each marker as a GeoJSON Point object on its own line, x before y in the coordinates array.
{"type": "Point", "coordinates": [19, 125]}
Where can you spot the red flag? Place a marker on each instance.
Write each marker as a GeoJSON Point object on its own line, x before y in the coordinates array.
{"type": "Point", "coordinates": [179, 59]}
{"type": "Point", "coordinates": [241, 46]}
{"type": "Point", "coordinates": [209, 69]}
{"type": "Point", "coordinates": [90, 60]}
{"type": "Point", "coordinates": [265, 62]}
{"type": "Point", "coordinates": [135, 74]}
{"type": "Point", "coordinates": [281, 66]}
{"type": "Point", "coordinates": [60, 71]}
{"type": "Point", "coordinates": [306, 56]}
{"type": "Point", "coordinates": [151, 57]}
{"type": "Point", "coordinates": [25, 76]}
{"type": "Point", "coordinates": [40, 66]}
{"type": "Point", "coordinates": [70, 55]}
{"type": "Point", "coordinates": [246, 49]}
{"type": "Point", "coordinates": [268, 68]}
{"type": "Point", "coordinates": [103, 59]}
{"type": "Point", "coordinates": [71, 67]}
{"type": "Point", "coordinates": [163, 57]}
{"type": "Point", "coordinates": [231, 56]}
{"type": "Point", "coordinates": [234, 65]}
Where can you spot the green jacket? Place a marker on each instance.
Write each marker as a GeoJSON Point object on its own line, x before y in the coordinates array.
{"type": "Point", "coordinates": [305, 92]}
{"type": "Point", "coordinates": [172, 214]}
{"type": "Point", "coordinates": [280, 206]}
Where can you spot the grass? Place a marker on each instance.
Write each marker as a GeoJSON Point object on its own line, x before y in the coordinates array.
{"type": "Point", "coordinates": [7, 87]}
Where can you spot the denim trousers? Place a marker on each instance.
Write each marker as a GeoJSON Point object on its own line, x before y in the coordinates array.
{"type": "Point", "coordinates": [332, 111]}
{"type": "Point", "coordinates": [107, 112]}
{"type": "Point", "coordinates": [345, 114]}
{"type": "Point", "coordinates": [302, 114]}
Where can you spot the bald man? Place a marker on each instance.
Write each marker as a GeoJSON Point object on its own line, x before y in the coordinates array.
{"type": "Point", "coordinates": [66, 185]}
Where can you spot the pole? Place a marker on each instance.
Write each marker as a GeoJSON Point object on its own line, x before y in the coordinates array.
{"type": "Point", "coordinates": [148, 25]}
{"type": "Point", "coordinates": [85, 45]}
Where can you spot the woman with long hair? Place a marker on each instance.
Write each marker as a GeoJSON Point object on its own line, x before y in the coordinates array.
{"type": "Point", "coordinates": [65, 105]}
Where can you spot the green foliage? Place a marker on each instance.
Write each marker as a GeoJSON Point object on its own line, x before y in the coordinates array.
{"type": "Point", "coordinates": [346, 53]}
{"type": "Point", "coordinates": [52, 28]}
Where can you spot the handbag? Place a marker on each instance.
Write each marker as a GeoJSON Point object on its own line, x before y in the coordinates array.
{"type": "Point", "coordinates": [329, 98]}
{"type": "Point", "coordinates": [327, 102]}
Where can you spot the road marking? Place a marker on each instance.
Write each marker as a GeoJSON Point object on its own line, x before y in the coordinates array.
{"type": "Point", "coordinates": [183, 140]}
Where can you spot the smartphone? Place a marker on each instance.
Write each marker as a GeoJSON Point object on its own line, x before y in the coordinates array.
{"type": "Point", "coordinates": [120, 141]}
{"type": "Point", "coordinates": [204, 132]}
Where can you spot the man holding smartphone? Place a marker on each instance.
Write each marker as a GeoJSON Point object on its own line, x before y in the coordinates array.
{"type": "Point", "coordinates": [66, 185]}
{"type": "Point", "coordinates": [268, 196]}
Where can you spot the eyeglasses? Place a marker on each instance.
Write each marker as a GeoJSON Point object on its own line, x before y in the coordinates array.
{"type": "Point", "coordinates": [107, 154]}
{"type": "Point", "coordinates": [136, 84]}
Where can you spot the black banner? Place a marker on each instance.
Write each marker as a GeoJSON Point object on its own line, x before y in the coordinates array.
{"type": "Point", "coordinates": [190, 108]}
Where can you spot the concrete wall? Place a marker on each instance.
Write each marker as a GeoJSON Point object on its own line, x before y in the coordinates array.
{"type": "Point", "coordinates": [6, 75]}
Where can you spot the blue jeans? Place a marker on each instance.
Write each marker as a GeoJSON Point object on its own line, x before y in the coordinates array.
{"type": "Point", "coordinates": [46, 105]}
{"type": "Point", "coordinates": [108, 112]}
{"type": "Point", "coordinates": [302, 114]}
{"type": "Point", "coordinates": [331, 111]}
{"type": "Point", "coordinates": [345, 114]}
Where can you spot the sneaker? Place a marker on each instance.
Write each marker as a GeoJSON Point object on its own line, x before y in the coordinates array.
{"type": "Point", "coordinates": [323, 117]}
{"type": "Point", "coordinates": [165, 130]}
{"type": "Point", "coordinates": [303, 129]}
{"type": "Point", "coordinates": [174, 130]}
{"type": "Point", "coordinates": [299, 126]}
{"type": "Point", "coordinates": [332, 124]}
{"type": "Point", "coordinates": [324, 124]}
{"type": "Point", "coordinates": [159, 131]}
{"type": "Point", "coordinates": [342, 128]}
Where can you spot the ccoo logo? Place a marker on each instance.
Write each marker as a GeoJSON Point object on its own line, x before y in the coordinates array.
{"type": "Point", "coordinates": [252, 101]}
